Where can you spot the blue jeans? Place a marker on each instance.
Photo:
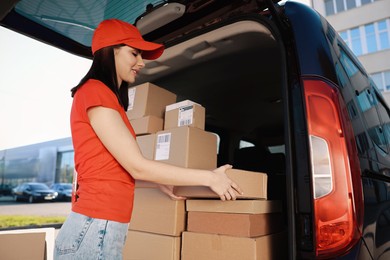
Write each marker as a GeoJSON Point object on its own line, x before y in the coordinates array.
{"type": "Point", "coordinates": [82, 237]}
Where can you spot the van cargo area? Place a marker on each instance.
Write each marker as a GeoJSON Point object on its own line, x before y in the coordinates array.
{"type": "Point", "coordinates": [237, 73]}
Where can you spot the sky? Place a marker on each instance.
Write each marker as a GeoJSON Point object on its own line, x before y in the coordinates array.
{"type": "Point", "coordinates": [35, 83]}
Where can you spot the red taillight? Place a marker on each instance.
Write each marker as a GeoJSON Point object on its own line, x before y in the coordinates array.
{"type": "Point", "coordinates": [337, 190]}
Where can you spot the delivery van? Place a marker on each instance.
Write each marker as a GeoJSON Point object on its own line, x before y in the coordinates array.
{"type": "Point", "coordinates": [283, 94]}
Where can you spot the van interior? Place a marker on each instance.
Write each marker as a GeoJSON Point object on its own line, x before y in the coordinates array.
{"type": "Point", "coordinates": [237, 73]}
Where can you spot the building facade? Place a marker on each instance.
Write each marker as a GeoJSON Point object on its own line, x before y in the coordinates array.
{"type": "Point", "coordinates": [365, 27]}
{"type": "Point", "coordinates": [47, 162]}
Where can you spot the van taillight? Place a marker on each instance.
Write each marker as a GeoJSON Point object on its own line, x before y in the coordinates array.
{"type": "Point", "coordinates": [337, 190]}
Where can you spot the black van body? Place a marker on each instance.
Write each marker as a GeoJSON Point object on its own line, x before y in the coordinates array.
{"type": "Point", "coordinates": [287, 97]}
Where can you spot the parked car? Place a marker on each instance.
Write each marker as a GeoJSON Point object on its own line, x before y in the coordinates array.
{"type": "Point", "coordinates": [34, 192]}
{"type": "Point", "coordinates": [283, 92]}
{"type": "Point", "coordinates": [64, 191]}
{"type": "Point", "coordinates": [5, 190]}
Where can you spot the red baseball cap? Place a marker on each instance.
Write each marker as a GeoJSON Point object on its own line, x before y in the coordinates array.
{"type": "Point", "coordinates": [113, 31]}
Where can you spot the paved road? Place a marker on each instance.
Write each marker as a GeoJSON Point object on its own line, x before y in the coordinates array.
{"type": "Point", "coordinates": [9, 207]}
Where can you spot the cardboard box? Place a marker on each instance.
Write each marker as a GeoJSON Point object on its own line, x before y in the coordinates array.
{"type": "Point", "coordinates": [146, 144]}
{"type": "Point", "coordinates": [197, 246]}
{"type": "Point", "coordinates": [187, 147]}
{"type": "Point", "coordinates": [145, 184]}
{"type": "Point", "coordinates": [234, 206]}
{"type": "Point", "coordinates": [147, 125]}
{"type": "Point", "coordinates": [253, 184]}
{"type": "Point", "coordinates": [234, 224]}
{"type": "Point", "coordinates": [185, 113]}
{"type": "Point", "coordinates": [147, 246]}
{"type": "Point", "coordinates": [155, 212]}
{"type": "Point", "coordinates": [22, 246]}
{"type": "Point", "coordinates": [148, 100]}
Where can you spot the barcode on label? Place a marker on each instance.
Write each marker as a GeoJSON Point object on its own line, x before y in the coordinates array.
{"type": "Point", "coordinates": [164, 138]}
{"type": "Point", "coordinates": [185, 122]}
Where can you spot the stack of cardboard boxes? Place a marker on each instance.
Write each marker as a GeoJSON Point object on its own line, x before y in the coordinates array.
{"type": "Point", "coordinates": [248, 228]}
{"type": "Point", "coordinates": [158, 222]}
{"type": "Point", "coordinates": [202, 227]}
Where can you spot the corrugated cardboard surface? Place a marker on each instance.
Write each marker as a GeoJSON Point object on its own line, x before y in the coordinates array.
{"type": "Point", "coordinates": [155, 212]}
{"type": "Point", "coordinates": [190, 147]}
{"type": "Point", "coordinates": [147, 246]}
{"type": "Point", "coordinates": [198, 246]}
{"type": "Point", "coordinates": [234, 206]}
{"type": "Point", "coordinates": [173, 118]}
{"type": "Point", "coordinates": [146, 144]}
{"type": "Point", "coordinates": [147, 125]}
{"type": "Point", "coordinates": [253, 184]}
{"type": "Point", "coordinates": [20, 246]}
{"type": "Point", "coordinates": [149, 100]}
{"type": "Point", "coordinates": [234, 224]}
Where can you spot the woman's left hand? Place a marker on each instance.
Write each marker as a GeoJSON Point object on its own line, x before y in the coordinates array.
{"type": "Point", "coordinates": [168, 189]}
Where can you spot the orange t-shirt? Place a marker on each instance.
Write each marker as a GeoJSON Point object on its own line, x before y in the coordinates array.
{"type": "Point", "coordinates": [105, 189]}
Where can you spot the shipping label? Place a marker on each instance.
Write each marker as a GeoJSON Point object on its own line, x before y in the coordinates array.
{"type": "Point", "coordinates": [162, 146]}
{"type": "Point", "coordinates": [131, 94]}
{"type": "Point", "coordinates": [186, 115]}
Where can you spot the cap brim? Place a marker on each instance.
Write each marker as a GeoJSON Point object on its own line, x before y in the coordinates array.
{"type": "Point", "coordinates": [150, 50]}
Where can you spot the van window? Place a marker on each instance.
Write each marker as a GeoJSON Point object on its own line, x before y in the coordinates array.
{"type": "Point", "coordinates": [352, 110]}
{"type": "Point", "coordinates": [348, 64]}
{"type": "Point", "coordinates": [366, 100]}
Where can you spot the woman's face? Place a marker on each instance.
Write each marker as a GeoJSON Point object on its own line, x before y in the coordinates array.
{"type": "Point", "coordinates": [128, 63]}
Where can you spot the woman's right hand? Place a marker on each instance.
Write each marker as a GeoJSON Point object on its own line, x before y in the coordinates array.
{"type": "Point", "coordinates": [223, 186]}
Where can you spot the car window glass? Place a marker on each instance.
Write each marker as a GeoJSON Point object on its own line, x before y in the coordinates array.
{"type": "Point", "coordinates": [340, 75]}
{"type": "Point", "coordinates": [78, 19]}
{"type": "Point", "coordinates": [383, 112]}
{"type": "Point", "coordinates": [362, 143]}
{"type": "Point", "coordinates": [347, 63]}
{"type": "Point", "coordinates": [366, 100]}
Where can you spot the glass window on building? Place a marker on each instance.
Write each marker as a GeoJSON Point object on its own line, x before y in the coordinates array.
{"type": "Point", "coordinates": [356, 41]}
{"type": "Point", "coordinates": [329, 7]}
{"type": "Point", "coordinates": [65, 167]}
{"type": "Point", "coordinates": [340, 6]}
{"type": "Point", "coordinates": [383, 32]}
{"type": "Point", "coordinates": [382, 80]}
{"type": "Point", "coordinates": [364, 2]}
{"type": "Point", "coordinates": [351, 4]}
{"type": "Point", "coordinates": [344, 36]}
{"type": "Point", "coordinates": [377, 78]}
{"type": "Point", "coordinates": [387, 80]}
{"type": "Point", "coordinates": [370, 37]}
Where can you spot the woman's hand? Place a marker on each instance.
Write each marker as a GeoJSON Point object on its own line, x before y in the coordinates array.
{"type": "Point", "coordinates": [223, 186]}
{"type": "Point", "coordinates": [168, 190]}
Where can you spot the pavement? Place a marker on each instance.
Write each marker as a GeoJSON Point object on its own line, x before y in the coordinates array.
{"type": "Point", "coordinates": [8, 206]}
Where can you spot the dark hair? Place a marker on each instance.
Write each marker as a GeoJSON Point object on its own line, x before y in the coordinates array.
{"type": "Point", "coordinates": [103, 69]}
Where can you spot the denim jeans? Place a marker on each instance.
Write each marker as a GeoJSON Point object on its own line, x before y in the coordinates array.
{"type": "Point", "coordinates": [82, 237]}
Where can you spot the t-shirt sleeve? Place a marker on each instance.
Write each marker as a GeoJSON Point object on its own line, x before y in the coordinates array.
{"type": "Point", "coordinates": [94, 94]}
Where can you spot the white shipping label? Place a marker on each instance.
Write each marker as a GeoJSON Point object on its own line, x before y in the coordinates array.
{"type": "Point", "coordinates": [185, 115]}
{"type": "Point", "coordinates": [162, 146]}
{"type": "Point", "coordinates": [131, 94]}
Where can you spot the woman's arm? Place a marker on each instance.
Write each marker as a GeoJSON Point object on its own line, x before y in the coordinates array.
{"type": "Point", "coordinates": [112, 131]}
